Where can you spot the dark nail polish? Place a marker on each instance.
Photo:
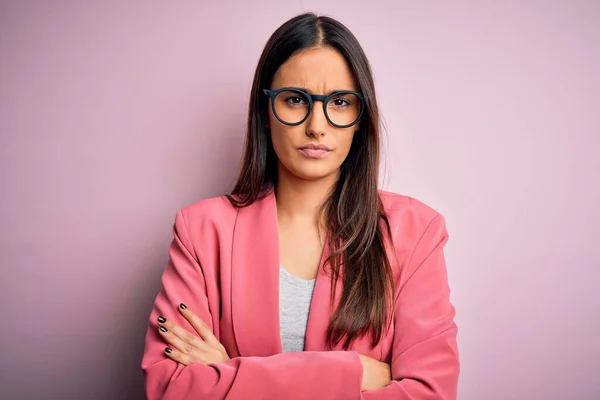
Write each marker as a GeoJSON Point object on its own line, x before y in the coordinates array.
{"type": "Point", "coordinates": [168, 349]}
{"type": "Point", "coordinates": [162, 328]}
{"type": "Point", "coordinates": [162, 319]}
{"type": "Point", "coordinates": [182, 306]}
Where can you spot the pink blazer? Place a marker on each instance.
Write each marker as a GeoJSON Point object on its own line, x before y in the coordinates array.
{"type": "Point", "coordinates": [224, 264]}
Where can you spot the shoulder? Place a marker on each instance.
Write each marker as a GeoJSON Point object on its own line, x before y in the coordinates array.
{"type": "Point", "coordinates": [417, 230]}
{"type": "Point", "coordinates": [399, 206]}
{"type": "Point", "coordinates": [410, 219]}
{"type": "Point", "coordinates": [209, 211]}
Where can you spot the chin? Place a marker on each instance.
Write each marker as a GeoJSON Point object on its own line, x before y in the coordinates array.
{"type": "Point", "coordinates": [314, 172]}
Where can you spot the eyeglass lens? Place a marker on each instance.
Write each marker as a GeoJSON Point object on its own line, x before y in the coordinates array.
{"type": "Point", "coordinates": [293, 106]}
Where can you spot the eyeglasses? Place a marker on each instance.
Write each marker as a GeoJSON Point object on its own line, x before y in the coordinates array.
{"type": "Point", "coordinates": [292, 106]}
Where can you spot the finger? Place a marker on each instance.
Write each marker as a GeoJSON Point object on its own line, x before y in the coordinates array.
{"type": "Point", "coordinates": [178, 356]}
{"type": "Point", "coordinates": [190, 339]}
{"type": "Point", "coordinates": [199, 326]}
{"type": "Point", "coordinates": [173, 340]}
{"type": "Point", "coordinates": [183, 340]}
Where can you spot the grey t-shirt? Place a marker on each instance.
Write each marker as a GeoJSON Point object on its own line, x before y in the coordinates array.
{"type": "Point", "coordinates": [295, 295]}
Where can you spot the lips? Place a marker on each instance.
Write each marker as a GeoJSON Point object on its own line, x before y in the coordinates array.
{"type": "Point", "coordinates": [314, 151]}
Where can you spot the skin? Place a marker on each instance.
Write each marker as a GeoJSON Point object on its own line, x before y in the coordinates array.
{"type": "Point", "coordinates": [304, 184]}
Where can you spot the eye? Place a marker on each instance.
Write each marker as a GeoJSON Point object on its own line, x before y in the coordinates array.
{"type": "Point", "coordinates": [295, 100]}
{"type": "Point", "coordinates": [340, 102]}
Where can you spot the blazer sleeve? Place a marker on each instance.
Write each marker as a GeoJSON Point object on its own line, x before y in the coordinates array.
{"type": "Point", "coordinates": [425, 363]}
{"type": "Point", "coordinates": [301, 375]}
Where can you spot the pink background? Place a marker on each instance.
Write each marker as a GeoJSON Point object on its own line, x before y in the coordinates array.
{"type": "Point", "coordinates": [113, 116]}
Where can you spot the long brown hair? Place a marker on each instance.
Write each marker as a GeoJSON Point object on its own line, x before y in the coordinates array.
{"type": "Point", "coordinates": [356, 222]}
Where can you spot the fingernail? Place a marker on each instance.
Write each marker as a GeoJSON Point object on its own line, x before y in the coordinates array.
{"type": "Point", "coordinates": [182, 306]}
{"type": "Point", "coordinates": [162, 319]}
{"type": "Point", "coordinates": [168, 350]}
{"type": "Point", "coordinates": [162, 328]}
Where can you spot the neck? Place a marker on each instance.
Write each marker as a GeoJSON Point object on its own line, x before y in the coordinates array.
{"type": "Point", "coordinates": [300, 200]}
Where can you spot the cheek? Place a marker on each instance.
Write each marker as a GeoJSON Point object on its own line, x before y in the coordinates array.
{"type": "Point", "coordinates": [345, 143]}
{"type": "Point", "coordinates": [278, 143]}
{"type": "Point", "coordinates": [281, 137]}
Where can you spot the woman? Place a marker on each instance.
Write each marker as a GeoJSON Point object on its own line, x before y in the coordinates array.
{"type": "Point", "coordinates": [307, 282]}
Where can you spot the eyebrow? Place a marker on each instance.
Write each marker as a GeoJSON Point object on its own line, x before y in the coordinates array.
{"type": "Point", "coordinates": [326, 94]}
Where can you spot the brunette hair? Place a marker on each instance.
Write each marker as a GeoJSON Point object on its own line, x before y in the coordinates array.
{"type": "Point", "coordinates": [356, 222]}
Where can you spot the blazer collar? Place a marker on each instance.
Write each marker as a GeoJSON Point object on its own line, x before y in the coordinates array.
{"type": "Point", "coordinates": [255, 284]}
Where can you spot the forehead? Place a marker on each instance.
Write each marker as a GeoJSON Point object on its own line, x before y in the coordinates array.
{"type": "Point", "coordinates": [320, 70]}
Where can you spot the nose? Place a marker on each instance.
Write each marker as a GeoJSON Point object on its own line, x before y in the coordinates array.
{"type": "Point", "coordinates": [316, 124]}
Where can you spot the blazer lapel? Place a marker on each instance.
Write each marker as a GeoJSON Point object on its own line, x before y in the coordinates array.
{"type": "Point", "coordinates": [320, 308]}
{"type": "Point", "coordinates": [255, 279]}
{"type": "Point", "coordinates": [255, 267]}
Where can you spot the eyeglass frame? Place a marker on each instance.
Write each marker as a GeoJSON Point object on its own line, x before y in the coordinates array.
{"type": "Point", "coordinates": [272, 94]}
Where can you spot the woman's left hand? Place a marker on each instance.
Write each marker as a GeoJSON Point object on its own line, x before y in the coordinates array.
{"type": "Point", "coordinates": [187, 348]}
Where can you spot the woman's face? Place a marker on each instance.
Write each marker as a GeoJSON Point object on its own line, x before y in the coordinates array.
{"type": "Point", "coordinates": [319, 70]}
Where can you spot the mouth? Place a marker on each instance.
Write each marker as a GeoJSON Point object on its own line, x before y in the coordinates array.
{"type": "Point", "coordinates": [314, 151]}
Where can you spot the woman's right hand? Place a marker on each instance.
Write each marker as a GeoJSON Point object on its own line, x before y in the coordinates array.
{"type": "Point", "coordinates": [376, 374]}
